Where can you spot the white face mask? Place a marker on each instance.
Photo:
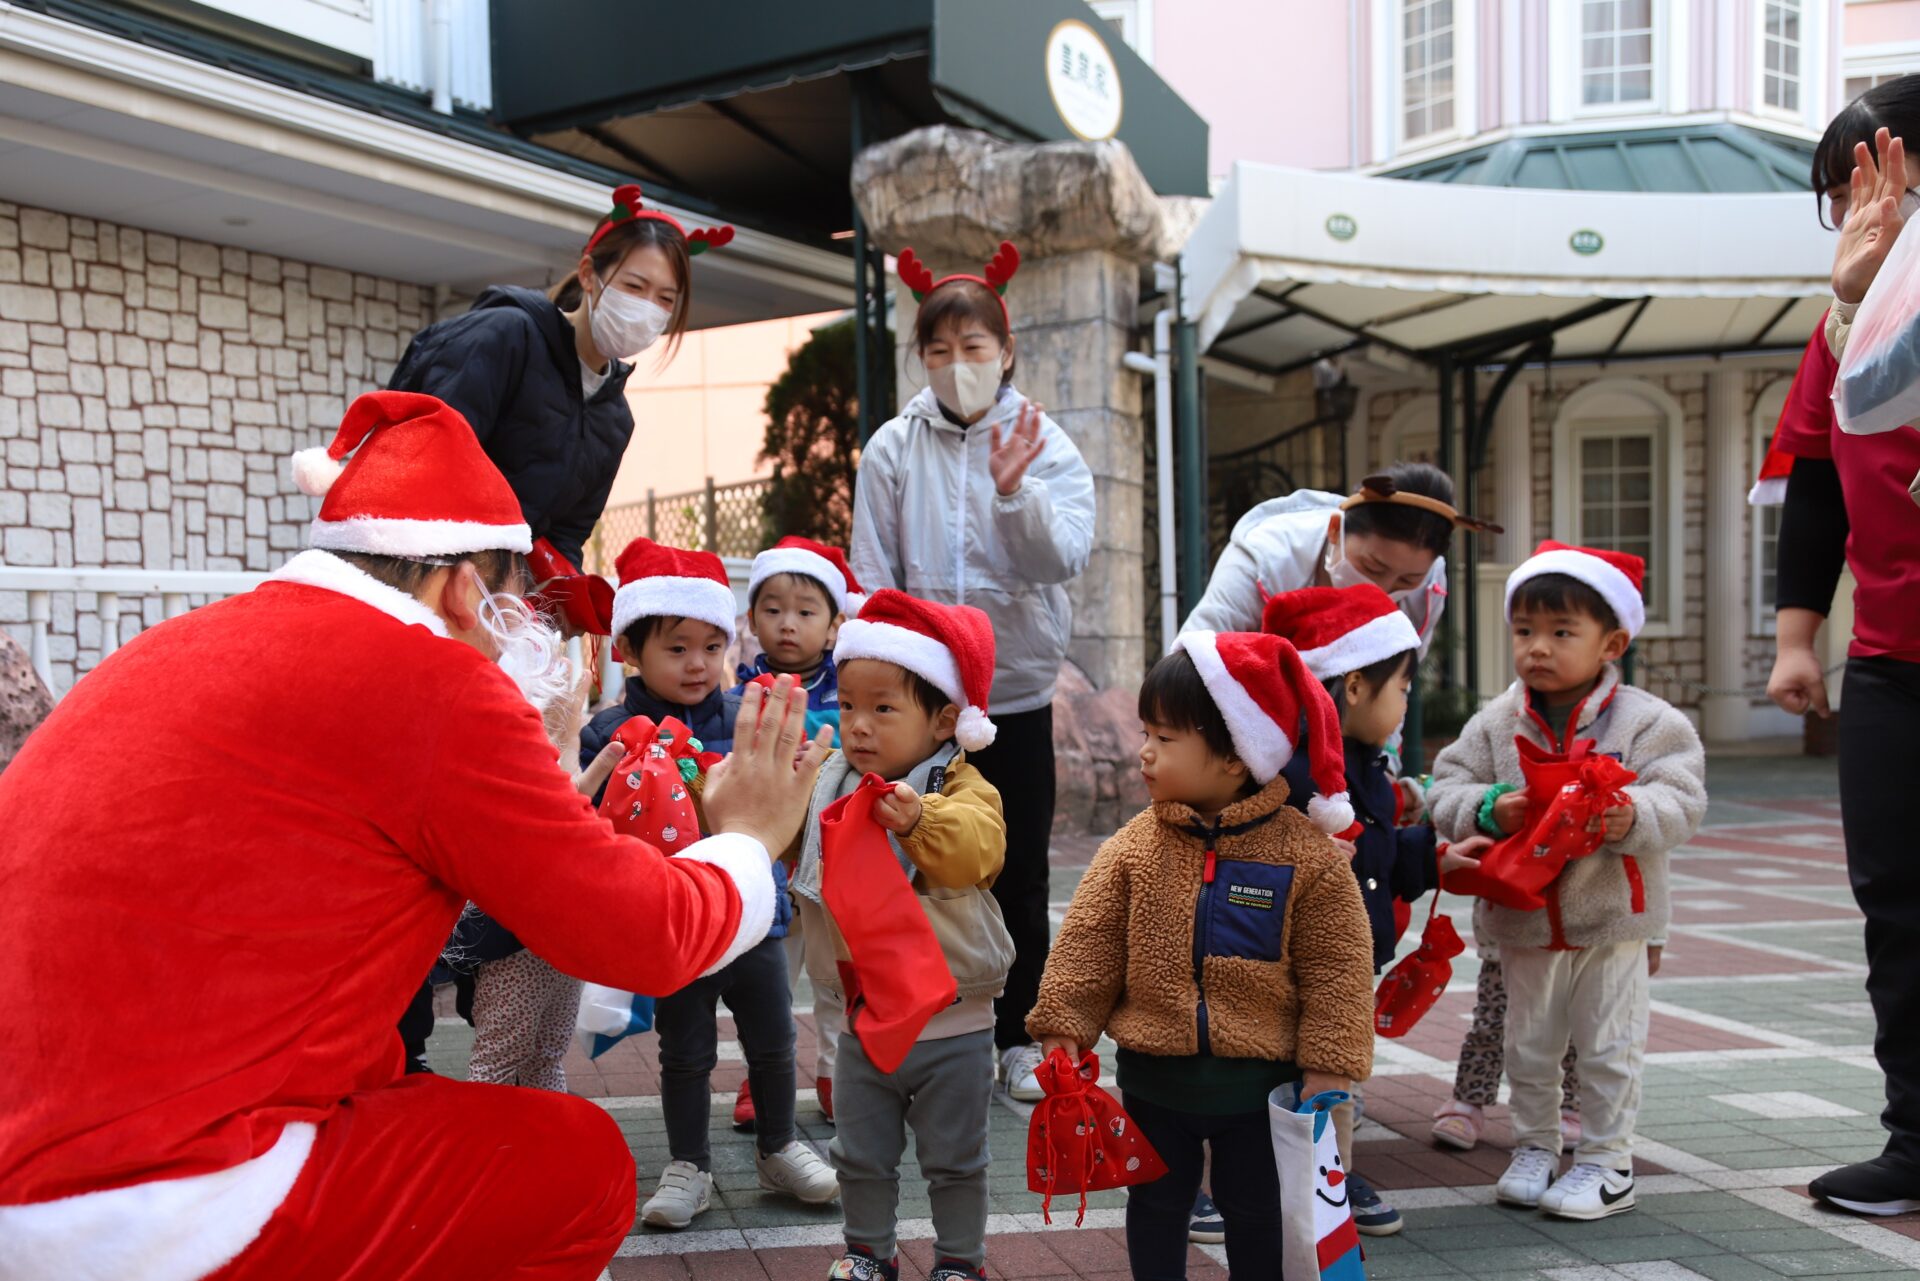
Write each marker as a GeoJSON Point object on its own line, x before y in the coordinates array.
{"type": "Point", "coordinates": [967, 387]}
{"type": "Point", "coordinates": [625, 325]}
{"type": "Point", "coordinates": [1342, 572]}
{"type": "Point", "coordinates": [531, 653]}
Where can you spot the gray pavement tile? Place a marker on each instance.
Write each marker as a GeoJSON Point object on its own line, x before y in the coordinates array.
{"type": "Point", "coordinates": [1826, 1263]}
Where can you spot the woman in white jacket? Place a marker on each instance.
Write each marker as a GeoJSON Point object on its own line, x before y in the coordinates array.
{"type": "Point", "coordinates": [973, 495]}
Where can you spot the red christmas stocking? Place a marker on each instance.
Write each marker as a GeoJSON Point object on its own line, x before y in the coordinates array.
{"type": "Point", "coordinates": [898, 977]}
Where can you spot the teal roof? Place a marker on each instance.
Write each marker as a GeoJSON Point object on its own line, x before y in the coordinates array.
{"type": "Point", "coordinates": [1718, 158]}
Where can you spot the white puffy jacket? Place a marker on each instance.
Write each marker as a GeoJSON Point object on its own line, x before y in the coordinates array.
{"type": "Point", "coordinates": [926, 520]}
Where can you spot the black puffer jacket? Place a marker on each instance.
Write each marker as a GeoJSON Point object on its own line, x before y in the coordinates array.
{"type": "Point", "coordinates": [511, 367]}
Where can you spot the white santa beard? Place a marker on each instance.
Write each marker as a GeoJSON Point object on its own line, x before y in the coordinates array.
{"type": "Point", "coordinates": [532, 654]}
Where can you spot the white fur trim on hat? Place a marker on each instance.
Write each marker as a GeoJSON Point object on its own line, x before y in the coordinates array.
{"type": "Point", "coordinates": [417, 539]}
{"type": "Point", "coordinates": [701, 599]}
{"type": "Point", "coordinates": [1615, 588]}
{"type": "Point", "coordinates": [798, 560]}
{"type": "Point", "coordinates": [1262, 744]}
{"type": "Point", "coordinates": [314, 471]}
{"type": "Point", "coordinates": [746, 864]}
{"type": "Point", "coordinates": [1768, 491]}
{"type": "Point", "coordinates": [1369, 643]}
{"type": "Point", "coordinates": [924, 657]}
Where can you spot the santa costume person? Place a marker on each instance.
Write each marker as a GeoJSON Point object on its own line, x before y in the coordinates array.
{"type": "Point", "coordinates": [235, 848]}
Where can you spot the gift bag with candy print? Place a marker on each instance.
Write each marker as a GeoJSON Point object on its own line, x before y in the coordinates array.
{"type": "Point", "coordinates": [1416, 982]}
{"type": "Point", "coordinates": [649, 795]}
{"type": "Point", "coordinates": [1080, 1139]}
{"type": "Point", "coordinates": [894, 977]}
{"type": "Point", "coordinates": [1565, 792]}
{"type": "Point", "coordinates": [1318, 1236]}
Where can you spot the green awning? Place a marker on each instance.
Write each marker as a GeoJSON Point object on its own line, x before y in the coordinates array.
{"type": "Point", "coordinates": [1717, 158]}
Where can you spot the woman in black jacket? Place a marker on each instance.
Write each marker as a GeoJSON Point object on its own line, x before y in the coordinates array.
{"type": "Point", "coordinates": [541, 377]}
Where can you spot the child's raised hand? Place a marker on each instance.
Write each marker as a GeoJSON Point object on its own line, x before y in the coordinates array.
{"type": "Point", "coordinates": [899, 810]}
{"type": "Point", "coordinates": [1510, 811]}
{"type": "Point", "coordinates": [1464, 854]}
{"type": "Point", "coordinates": [1014, 453]}
{"type": "Point", "coordinates": [1616, 823]}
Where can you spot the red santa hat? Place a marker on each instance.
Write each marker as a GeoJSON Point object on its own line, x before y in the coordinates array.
{"type": "Point", "coordinates": [825, 565]}
{"type": "Point", "coordinates": [418, 484]}
{"type": "Point", "coordinates": [1340, 629]}
{"type": "Point", "coordinates": [949, 646]}
{"type": "Point", "coordinates": [657, 581]}
{"type": "Point", "coordinates": [1263, 689]}
{"type": "Point", "coordinates": [1770, 490]}
{"type": "Point", "coordinates": [1619, 577]}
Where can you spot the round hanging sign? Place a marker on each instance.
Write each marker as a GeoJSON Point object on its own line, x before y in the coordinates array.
{"type": "Point", "coordinates": [1084, 81]}
{"type": "Point", "coordinates": [1342, 226]}
{"type": "Point", "coordinates": [1585, 241]}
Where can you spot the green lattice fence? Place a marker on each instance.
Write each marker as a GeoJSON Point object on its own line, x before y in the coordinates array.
{"type": "Point", "coordinates": [728, 519]}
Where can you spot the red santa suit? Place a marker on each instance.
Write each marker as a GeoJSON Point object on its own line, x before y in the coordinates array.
{"type": "Point", "coordinates": [228, 858]}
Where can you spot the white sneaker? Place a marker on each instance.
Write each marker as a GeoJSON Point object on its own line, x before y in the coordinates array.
{"type": "Point", "coordinates": [1017, 1067]}
{"type": "Point", "coordinates": [799, 1172]}
{"type": "Point", "coordinates": [685, 1190]}
{"type": "Point", "coordinates": [1589, 1192]}
{"type": "Point", "coordinates": [1529, 1175]}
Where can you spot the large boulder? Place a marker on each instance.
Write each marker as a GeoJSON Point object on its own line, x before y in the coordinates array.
{"type": "Point", "coordinates": [24, 701]}
{"type": "Point", "coordinates": [1096, 745]}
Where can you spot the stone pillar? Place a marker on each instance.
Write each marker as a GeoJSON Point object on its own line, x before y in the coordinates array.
{"type": "Point", "coordinates": [1513, 474]}
{"type": "Point", "coordinates": [1084, 220]}
{"type": "Point", "coordinates": [1724, 716]}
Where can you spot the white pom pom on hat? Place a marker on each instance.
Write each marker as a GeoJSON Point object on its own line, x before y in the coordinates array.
{"type": "Point", "coordinates": [948, 646]}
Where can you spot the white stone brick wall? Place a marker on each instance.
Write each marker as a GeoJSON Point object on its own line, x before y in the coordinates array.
{"type": "Point", "coordinates": [151, 389]}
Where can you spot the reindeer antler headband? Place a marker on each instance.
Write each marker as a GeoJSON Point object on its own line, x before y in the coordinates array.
{"type": "Point", "coordinates": [627, 208]}
{"type": "Point", "coordinates": [999, 270]}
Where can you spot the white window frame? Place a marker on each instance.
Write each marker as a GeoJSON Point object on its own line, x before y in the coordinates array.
{"type": "Point", "coordinates": [1884, 61]}
{"type": "Point", "coordinates": [1600, 409]}
{"type": "Point", "coordinates": [1136, 23]}
{"type": "Point", "coordinates": [1389, 109]}
{"type": "Point", "coordinates": [1804, 78]}
{"type": "Point", "coordinates": [1765, 522]}
{"type": "Point", "coordinates": [1657, 75]}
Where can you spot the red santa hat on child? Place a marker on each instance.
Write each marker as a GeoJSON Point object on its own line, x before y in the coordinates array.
{"type": "Point", "coordinates": [1770, 489]}
{"type": "Point", "coordinates": [949, 646]}
{"type": "Point", "coordinates": [1263, 689]}
{"type": "Point", "coordinates": [657, 581]}
{"type": "Point", "coordinates": [1340, 629]}
{"type": "Point", "coordinates": [825, 565]}
{"type": "Point", "coordinates": [418, 484]}
{"type": "Point", "coordinates": [1619, 577]}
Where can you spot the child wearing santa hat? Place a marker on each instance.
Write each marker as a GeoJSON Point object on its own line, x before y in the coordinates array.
{"type": "Point", "coordinates": [1279, 987]}
{"type": "Point", "coordinates": [1577, 972]}
{"type": "Point", "coordinates": [915, 678]}
{"type": "Point", "coordinates": [1363, 649]}
{"type": "Point", "coordinates": [798, 594]}
{"type": "Point", "coordinates": [673, 620]}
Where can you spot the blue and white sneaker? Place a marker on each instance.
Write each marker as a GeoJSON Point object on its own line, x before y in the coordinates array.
{"type": "Point", "coordinates": [1371, 1215]}
{"type": "Point", "coordinates": [1206, 1227]}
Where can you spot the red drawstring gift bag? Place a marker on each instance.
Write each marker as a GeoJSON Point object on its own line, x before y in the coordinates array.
{"type": "Point", "coordinates": [897, 978]}
{"type": "Point", "coordinates": [1080, 1140]}
{"type": "Point", "coordinates": [1565, 791]}
{"type": "Point", "coordinates": [648, 795]}
{"type": "Point", "coordinates": [1412, 986]}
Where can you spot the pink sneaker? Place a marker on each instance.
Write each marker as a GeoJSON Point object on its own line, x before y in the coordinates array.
{"type": "Point", "coordinates": [1569, 1131]}
{"type": "Point", "coordinates": [1457, 1125]}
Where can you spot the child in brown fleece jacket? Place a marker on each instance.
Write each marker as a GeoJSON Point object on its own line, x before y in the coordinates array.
{"type": "Point", "coordinates": [1220, 938]}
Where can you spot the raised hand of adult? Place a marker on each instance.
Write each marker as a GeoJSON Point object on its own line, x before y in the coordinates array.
{"type": "Point", "coordinates": [763, 788]}
{"type": "Point", "coordinates": [1873, 215]}
{"type": "Point", "coordinates": [1013, 453]}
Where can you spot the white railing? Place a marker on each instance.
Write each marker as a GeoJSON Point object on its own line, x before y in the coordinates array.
{"type": "Point", "coordinates": [173, 586]}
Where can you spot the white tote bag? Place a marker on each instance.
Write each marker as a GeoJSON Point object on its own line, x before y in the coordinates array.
{"type": "Point", "coordinates": [1878, 387]}
{"type": "Point", "coordinates": [1318, 1237]}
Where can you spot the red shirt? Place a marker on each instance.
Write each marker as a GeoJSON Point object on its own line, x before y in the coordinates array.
{"type": "Point", "coordinates": [1883, 545]}
{"type": "Point", "coordinates": [231, 854]}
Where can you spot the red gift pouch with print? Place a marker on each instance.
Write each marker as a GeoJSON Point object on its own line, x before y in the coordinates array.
{"type": "Point", "coordinates": [896, 977]}
{"type": "Point", "coordinates": [1412, 986]}
{"type": "Point", "coordinates": [1565, 790]}
{"type": "Point", "coordinates": [1080, 1139]}
{"type": "Point", "coordinates": [649, 793]}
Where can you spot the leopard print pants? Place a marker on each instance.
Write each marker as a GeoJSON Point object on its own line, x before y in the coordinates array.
{"type": "Point", "coordinates": [523, 1016]}
{"type": "Point", "coordinates": [1482, 1056]}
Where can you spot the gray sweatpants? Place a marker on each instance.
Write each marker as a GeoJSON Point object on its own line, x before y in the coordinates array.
{"type": "Point", "coordinates": [942, 1091]}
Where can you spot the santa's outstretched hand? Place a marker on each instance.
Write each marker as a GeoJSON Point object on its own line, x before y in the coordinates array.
{"type": "Point", "coordinates": [763, 788]}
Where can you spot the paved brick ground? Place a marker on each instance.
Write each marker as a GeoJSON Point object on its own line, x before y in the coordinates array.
{"type": "Point", "coordinates": [1760, 1075]}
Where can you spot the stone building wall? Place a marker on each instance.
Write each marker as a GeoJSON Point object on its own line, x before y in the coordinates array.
{"type": "Point", "coordinates": [151, 389]}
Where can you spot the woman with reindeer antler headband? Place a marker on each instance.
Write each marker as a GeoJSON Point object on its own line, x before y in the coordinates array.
{"type": "Point", "coordinates": [541, 378]}
{"type": "Point", "coordinates": [973, 495]}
